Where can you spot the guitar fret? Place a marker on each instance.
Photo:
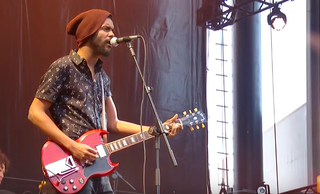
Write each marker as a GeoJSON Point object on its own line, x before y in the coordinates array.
{"type": "Point", "coordinates": [115, 145]}
{"type": "Point", "coordinates": [138, 137]}
{"type": "Point", "coordinates": [108, 148]}
{"type": "Point", "coordinates": [111, 146]}
{"type": "Point", "coordinates": [124, 142]}
{"type": "Point", "coordinates": [132, 139]}
{"type": "Point", "coordinates": [120, 145]}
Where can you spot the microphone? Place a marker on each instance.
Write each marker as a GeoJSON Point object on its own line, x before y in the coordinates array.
{"type": "Point", "coordinates": [116, 41]}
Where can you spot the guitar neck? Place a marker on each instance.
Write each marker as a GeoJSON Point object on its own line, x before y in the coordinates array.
{"type": "Point", "coordinates": [128, 141]}
{"type": "Point", "coordinates": [192, 119]}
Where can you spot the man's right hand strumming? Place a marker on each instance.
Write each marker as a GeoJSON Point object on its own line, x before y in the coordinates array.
{"type": "Point", "coordinates": [84, 153]}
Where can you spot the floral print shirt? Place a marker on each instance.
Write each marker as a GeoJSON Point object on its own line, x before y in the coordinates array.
{"type": "Point", "coordinates": [75, 96]}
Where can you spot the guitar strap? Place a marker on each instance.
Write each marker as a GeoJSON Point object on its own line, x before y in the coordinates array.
{"type": "Point", "coordinates": [103, 114]}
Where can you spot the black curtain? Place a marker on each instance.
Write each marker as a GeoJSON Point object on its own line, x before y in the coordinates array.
{"type": "Point", "coordinates": [33, 36]}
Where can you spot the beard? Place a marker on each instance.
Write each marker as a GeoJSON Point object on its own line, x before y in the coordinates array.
{"type": "Point", "coordinates": [100, 46]}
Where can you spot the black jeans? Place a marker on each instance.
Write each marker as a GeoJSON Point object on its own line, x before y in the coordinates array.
{"type": "Point", "coordinates": [97, 185]}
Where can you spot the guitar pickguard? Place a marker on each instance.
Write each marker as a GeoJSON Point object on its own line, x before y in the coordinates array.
{"type": "Point", "coordinates": [61, 167]}
{"type": "Point", "coordinates": [101, 165]}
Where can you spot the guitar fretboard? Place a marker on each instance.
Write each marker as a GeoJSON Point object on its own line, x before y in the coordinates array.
{"type": "Point", "coordinates": [127, 141]}
{"type": "Point", "coordinates": [188, 120]}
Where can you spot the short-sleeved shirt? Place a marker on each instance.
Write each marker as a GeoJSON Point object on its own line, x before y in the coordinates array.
{"type": "Point", "coordinates": [76, 98]}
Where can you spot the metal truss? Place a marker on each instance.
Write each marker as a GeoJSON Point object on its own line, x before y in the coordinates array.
{"type": "Point", "coordinates": [311, 189]}
{"type": "Point", "coordinates": [217, 14]}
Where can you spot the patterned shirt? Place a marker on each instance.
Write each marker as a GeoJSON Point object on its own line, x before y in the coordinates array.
{"type": "Point", "coordinates": [76, 98]}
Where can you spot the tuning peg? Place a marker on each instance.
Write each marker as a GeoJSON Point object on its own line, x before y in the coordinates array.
{"type": "Point", "coordinates": [195, 110]}
{"type": "Point", "coordinates": [184, 113]}
{"type": "Point", "coordinates": [202, 125]}
{"type": "Point", "coordinates": [191, 128]}
{"type": "Point", "coordinates": [197, 127]}
{"type": "Point", "coordinates": [190, 111]}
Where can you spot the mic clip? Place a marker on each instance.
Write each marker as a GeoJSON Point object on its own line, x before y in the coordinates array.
{"type": "Point", "coordinates": [153, 130]}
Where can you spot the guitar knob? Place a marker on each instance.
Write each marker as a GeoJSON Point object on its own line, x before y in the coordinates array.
{"type": "Point", "coordinates": [71, 181]}
{"type": "Point", "coordinates": [74, 187]}
{"type": "Point", "coordinates": [81, 181]}
{"type": "Point", "coordinates": [65, 188]}
{"type": "Point", "coordinates": [63, 181]}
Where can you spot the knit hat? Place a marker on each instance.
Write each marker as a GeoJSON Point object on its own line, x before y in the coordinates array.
{"type": "Point", "coordinates": [86, 24]}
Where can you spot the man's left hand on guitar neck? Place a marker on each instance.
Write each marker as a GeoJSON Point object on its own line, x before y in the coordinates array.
{"type": "Point", "coordinates": [172, 126]}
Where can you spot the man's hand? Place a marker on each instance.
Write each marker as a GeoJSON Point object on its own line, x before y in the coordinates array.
{"type": "Point", "coordinates": [84, 153]}
{"type": "Point", "coordinates": [172, 126]}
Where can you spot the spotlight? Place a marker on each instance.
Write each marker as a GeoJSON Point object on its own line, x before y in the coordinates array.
{"type": "Point", "coordinates": [263, 189]}
{"type": "Point", "coordinates": [276, 19]}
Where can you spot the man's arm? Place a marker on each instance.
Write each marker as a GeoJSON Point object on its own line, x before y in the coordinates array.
{"type": "Point", "coordinates": [39, 117]}
{"type": "Point", "coordinates": [116, 125]}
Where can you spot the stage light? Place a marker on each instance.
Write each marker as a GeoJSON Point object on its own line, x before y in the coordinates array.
{"type": "Point", "coordinates": [276, 19]}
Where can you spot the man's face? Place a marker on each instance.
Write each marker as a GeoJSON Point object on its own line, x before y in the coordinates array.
{"type": "Point", "coordinates": [2, 170]}
{"type": "Point", "coordinates": [100, 41]}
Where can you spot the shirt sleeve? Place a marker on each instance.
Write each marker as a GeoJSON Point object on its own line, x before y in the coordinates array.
{"type": "Point", "coordinates": [51, 83]}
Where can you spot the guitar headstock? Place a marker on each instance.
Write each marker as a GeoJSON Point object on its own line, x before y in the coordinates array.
{"type": "Point", "coordinates": [195, 119]}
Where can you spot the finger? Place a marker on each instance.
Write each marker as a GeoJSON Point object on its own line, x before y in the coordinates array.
{"type": "Point", "coordinates": [178, 125]}
{"type": "Point", "coordinates": [86, 162]}
{"type": "Point", "coordinates": [91, 150]}
{"type": "Point", "coordinates": [91, 156]}
{"type": "Point", "coordinates": [174, 118]}
{"type": "Point", "coordinates": [172, 134]}
{"type": "Point", "coordinates": [92, 153]}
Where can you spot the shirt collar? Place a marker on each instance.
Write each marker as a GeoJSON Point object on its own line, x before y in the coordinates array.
{"type": "Point", "coordinates": [78, 60]}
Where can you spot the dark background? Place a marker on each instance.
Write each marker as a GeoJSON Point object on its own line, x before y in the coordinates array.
{"type": "Point", "coordinates": [33, 36]}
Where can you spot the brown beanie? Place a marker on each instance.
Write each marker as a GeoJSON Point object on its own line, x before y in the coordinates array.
{"type": "Point", "coordinates": [86, 23]}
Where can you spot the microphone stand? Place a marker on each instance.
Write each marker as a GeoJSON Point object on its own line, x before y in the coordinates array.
{"type": "Point", "coordinates": [159, 129]}
{"type": "Point", "coordinates": [116, 174]}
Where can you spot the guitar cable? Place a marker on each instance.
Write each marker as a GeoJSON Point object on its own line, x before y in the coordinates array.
{"type": "Point", "coordinates": [42, 183]}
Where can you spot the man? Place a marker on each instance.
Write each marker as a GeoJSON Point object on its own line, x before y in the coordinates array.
{"type": "Point", "coordinates": [4, 164]}
{"type": "Point", "coordinates": [71, 93]}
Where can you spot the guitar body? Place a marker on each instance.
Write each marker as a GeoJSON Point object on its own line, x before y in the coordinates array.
{"type": "Point", "coordinates": [67, 174]}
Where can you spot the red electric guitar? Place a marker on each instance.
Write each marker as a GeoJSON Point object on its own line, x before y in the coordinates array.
{"type": "Point", "coordinates": [68, 175]}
